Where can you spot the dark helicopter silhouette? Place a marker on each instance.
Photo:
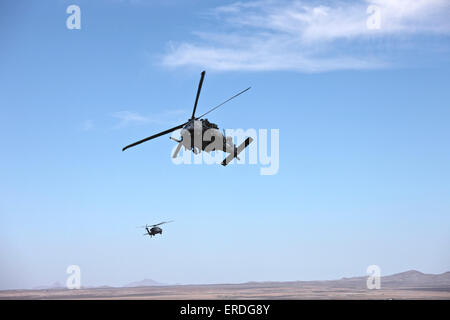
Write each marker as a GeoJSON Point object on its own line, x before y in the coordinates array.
{"type": "Point", "coordinates": [154, 229]}
{"type": "Point", "coordinates": [192, 133]}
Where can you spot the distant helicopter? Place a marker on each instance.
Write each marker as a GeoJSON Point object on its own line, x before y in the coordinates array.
{"type": "Point", "coordinates": [193, 130]}
{"type": "Point", "coordinates": [154, 229]}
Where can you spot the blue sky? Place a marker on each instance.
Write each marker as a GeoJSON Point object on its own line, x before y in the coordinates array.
{"type": "Point", "coordinates": [363, 118]}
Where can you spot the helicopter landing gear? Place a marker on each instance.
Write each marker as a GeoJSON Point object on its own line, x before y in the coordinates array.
{"type": "Point", "coordinates": [195, 150]}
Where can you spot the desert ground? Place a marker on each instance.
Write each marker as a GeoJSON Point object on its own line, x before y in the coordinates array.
{"type": "Point", "coordinates": [406, 285]}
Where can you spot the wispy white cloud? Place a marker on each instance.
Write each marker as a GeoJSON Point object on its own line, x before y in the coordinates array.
{"type": "Point", "coordinates": [129, 118]}
{"type": "Point", "coordinates": [306, 36]}
{"type": "Point", "coordinates": [88, 125]}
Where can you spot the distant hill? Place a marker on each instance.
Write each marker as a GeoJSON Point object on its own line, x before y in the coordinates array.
{"type": "Point", "coordinates": [415, 278]}
{"type": "Point", "coordinates": [97, 287]}
{"type": "Point", "coordinates": [55, 286]}
{"type": "Point", "coordinates": [407, 279]}
{"type": "Point", "coordinates": [144, 283]}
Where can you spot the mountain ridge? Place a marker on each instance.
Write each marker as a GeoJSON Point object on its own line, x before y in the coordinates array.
{"type": "Point", "coordinates": [410, 278]}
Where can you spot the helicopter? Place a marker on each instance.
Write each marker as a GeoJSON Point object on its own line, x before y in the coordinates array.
{"type": "Point", "coordinates": [196, 127]}
{"type": "Point", "coordinates": [154, 229]}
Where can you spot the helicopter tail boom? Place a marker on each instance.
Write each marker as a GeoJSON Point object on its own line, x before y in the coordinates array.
{"type": "Point", "coordinates": [239, 149]}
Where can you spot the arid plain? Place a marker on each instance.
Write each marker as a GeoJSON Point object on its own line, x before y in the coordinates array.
{"type": "Point", "coordinates": [406, 285]}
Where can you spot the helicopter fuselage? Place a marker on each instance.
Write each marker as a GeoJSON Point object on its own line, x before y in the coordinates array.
{"type": "Point", "coordinates": [202, 135]}
{"type": "Point", "coordinates": [198, 134]}
{"type": "Point", "coordinates": [154, 231]}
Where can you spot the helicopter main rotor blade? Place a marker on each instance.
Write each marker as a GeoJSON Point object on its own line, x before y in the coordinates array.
{"type": "Point", "coordinates": [154, 225]}
{"type": "Point", "coordinates": [202, 76]}
{"type": "Point", "coordinates": [154, 136]}
{"type": "Point", "coordinates": [222, 103]}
